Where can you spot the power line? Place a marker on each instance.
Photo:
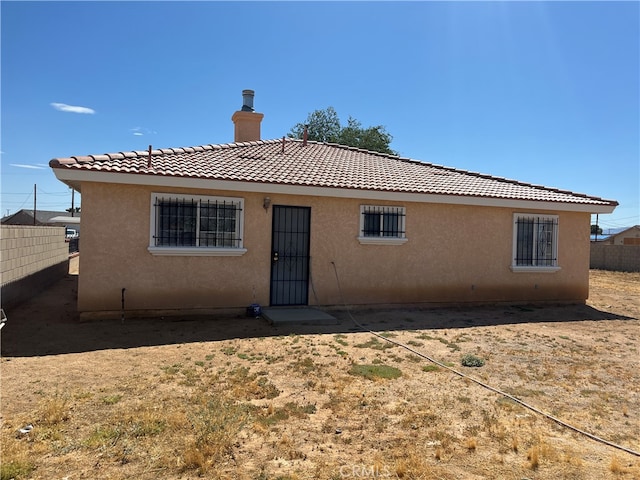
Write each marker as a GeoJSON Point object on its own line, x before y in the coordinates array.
{"type": "Point", "coordinates": [65, 192]}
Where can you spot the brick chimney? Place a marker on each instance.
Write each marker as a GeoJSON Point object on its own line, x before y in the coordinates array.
{"type": "Point", "coordinates": [246, 121]}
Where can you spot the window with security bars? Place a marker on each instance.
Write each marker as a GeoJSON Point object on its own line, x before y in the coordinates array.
{"type": "Point", "coordinates": [196, 221]}
{"type": "Point", "coordinates": [536, 241]}
{"type": "Point", "coordinates": [382, 222]}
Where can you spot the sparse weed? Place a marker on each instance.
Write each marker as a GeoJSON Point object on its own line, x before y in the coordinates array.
{"type": "Point", "coordinates": [14, 469]}
{"type": "Point", "coordinates": [340, 338]}
{"type": "Point", "coordinates": [103, 436]}
{"type": "Point", "coordinates": [615, 466]}
{"type": "Point", "coordinates": [172, 370]}
{"type": "Point", "coordinates": [339, 351]}
{"type": "Point", "coordinates": [375, 344]}
{"type": "Point", "coordinates": [389, 334]}
{"type": "Point", "coordinates": [229, 351]}
{"type": "Point", "coordinates": [216, 425]}
{"type": "Point", "coordinates": [248, 386]}
{"type": "Point", "coordinates": [426, 336]}
{"type": "Point", "coordinates": [305, 366]}
{"type": "Point", "coordinates": [290, 409]}
{"type": "Point", "coordinates": [375, 371]}
{"type": "Point", "coordinates": [54, 410]}
{"type": "Point", "coordinates": [111, 399]}
{"type": "Point", "coordinates": [431, 368]}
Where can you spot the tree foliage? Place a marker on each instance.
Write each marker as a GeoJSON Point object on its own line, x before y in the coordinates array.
{"type": "Point", "coordinates": [324, 126]}
{"type": "Point", "coordinates": [596, 230]}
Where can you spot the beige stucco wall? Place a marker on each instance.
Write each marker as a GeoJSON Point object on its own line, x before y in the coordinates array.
{"type": "Point", "coordinates": [454, 254]}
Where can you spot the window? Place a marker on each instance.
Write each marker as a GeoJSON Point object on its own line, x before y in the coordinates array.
{"type": "Point", "coordinates": [196, 225]}
{"type": "Point", "coordinates": [535, 243]}
{"type": "Point", "coordinates": [382, 225]}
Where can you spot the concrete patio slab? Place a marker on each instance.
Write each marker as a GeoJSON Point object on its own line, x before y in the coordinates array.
{"type": "Point", "coordinates": [298, 316]}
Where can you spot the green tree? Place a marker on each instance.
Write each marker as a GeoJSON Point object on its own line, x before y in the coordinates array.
{"type": "Point", "coordinates": [324, 126]}
{"type": "Point", "coordinates": [596, 230]}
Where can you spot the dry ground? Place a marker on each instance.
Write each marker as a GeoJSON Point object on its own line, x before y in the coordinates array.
{"type": "Point", "coordinates": [236, 398]}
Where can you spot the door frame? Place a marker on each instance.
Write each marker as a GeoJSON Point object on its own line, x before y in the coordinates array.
{"type": "Point", "coordinates": [301, 298]}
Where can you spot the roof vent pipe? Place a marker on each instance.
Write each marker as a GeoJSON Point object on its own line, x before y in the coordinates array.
{"type": "Point", "coordinates": [247, 100]}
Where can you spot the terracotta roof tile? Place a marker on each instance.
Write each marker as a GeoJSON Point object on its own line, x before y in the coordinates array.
{"type": "Point", "coordinates": [319, 165]}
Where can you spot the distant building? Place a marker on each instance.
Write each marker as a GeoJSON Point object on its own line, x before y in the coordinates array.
{"type": "Point", "coordinates": [47, 218]}
{"type": "Point", "coordinates": [624, 236]}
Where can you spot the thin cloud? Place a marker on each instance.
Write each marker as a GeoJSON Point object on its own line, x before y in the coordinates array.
{"type": "Point", "coordinates": [140, 131]}
{"type": "Point", "coordinates": [63, 107]}
{"type": "Point", "coordinates": [22, 165]}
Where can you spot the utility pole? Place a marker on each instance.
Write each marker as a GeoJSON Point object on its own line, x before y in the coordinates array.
{"type": "Point", "coordinates": [34, 204]}
{"type": "Point", "coordinates": [72, 195]}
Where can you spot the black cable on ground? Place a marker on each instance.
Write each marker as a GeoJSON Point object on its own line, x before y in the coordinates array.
{"type": "Point", "coordinates": [482, 384]}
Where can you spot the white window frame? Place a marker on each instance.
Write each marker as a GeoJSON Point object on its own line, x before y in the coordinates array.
{"type": "Point", "coordinates": [382, 240]}
{"type": "Point", "coordinates": [534, 243]}
{"type": "Point", "coordinates": [195, 251]}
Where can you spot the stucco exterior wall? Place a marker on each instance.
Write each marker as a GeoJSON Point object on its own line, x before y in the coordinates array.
{"type": "Point", "coordinates": [453, 254]}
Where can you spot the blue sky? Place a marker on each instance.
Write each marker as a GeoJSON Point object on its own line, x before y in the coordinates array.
{"type": "Point", "coordinates": [542, 92]}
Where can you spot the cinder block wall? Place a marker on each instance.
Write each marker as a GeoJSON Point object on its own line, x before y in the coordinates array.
{"type": "Point", "coordinates": [30, 258]}
{"type": "Point", "coordinates": [623, 258]}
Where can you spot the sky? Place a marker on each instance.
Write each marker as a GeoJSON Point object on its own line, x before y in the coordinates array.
{"type": "Point", "coordinates": [541, 92]}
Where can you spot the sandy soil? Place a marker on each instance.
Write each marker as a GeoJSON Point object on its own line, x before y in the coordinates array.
{"type": "Point", "coordinates": [135, 398]}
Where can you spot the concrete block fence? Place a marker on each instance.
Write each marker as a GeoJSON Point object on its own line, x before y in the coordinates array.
{"type": "Point", "coordinates": [622, 258]}
{"type": "Point", "coordinates": [31, 258]}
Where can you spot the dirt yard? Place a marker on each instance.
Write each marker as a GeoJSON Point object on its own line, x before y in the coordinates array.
{"type": "Point", "coordinates": [237, 398]}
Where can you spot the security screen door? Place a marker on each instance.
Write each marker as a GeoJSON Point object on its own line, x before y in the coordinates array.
{"type": "Point", "coordinates": [290, 256]}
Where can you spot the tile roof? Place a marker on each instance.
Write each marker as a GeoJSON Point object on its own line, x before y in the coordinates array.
{"type": "Point", "coordinates": [318, 165]}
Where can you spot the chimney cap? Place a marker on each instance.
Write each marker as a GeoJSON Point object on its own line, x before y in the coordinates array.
{"type": "Point", "coordinates": [247, 100]}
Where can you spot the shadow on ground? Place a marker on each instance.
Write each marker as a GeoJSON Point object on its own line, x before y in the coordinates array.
{"type": "Point", "coordinates": [49, 324]}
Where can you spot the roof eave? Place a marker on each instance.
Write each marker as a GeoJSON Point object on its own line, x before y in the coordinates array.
{"type": "Point", "coordinates": [74, 178]}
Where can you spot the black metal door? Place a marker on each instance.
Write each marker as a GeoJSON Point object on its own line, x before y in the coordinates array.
{"type": "Point", "coordinates": [290, 256]}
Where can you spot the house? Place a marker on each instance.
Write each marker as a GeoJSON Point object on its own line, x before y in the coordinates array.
{"type": "Point", "coordinates": [42, 218]}
{"type": "Point", "coordinates": [623, 236]}
{"type": "Point", "coordinates": [295, 222]}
